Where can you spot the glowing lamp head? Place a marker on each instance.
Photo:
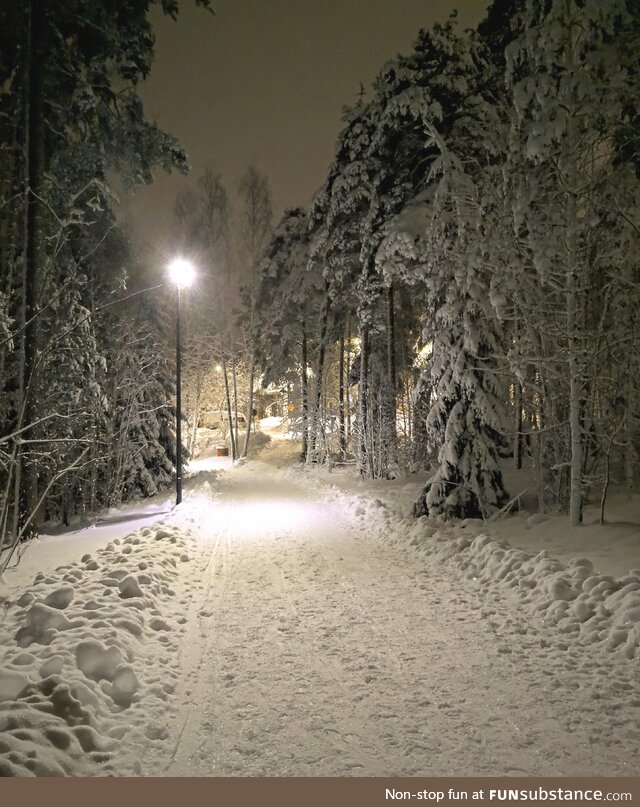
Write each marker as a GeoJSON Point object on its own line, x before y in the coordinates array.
{"type": "Point", "coordinates": [181, 272]}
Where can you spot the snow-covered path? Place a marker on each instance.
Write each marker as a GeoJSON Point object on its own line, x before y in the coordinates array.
{"type": "Point", "coordinates": [276, 625]}
{"type": "Point", "coordinates": [311, 649]}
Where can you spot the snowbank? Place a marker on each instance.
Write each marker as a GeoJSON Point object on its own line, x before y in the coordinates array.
{"type": "Point", "coordinates": [568, 594]}
{"type": "Point", "coordinates": [592, 608]}
{"type": "Point", "coordinates": [88, 656]}
{"type": "Point", "coordinates": [582, 605]}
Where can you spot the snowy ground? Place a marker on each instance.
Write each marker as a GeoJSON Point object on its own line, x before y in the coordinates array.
{"type": "Point", "coordinates": [275, 624]}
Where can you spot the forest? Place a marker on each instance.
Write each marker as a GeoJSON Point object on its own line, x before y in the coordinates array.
{"type": "Point", "coordinates": [462, 291]}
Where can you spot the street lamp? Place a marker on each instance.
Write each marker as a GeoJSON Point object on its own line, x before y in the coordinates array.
{"type": "Point", "coordinates": [182, 275]}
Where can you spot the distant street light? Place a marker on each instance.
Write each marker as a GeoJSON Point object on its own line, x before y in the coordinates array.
{"type": "Point", "coordinates": [182, 275]}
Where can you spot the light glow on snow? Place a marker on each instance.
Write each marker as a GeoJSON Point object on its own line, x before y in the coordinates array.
{"type": "Point", "coordinates": [275, 516]}
{"type": "Point", "coordinates": [213, 463]}
{"type": "Point", "coordinates": [278, 516]}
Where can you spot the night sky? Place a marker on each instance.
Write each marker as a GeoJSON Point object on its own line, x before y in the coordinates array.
{"type": "Point", "coordinates": [265, 81]}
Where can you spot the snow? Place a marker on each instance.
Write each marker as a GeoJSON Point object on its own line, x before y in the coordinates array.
{"type": "Point", "coordinates": [95, 659]}
{"type": "Point", "coordinates": [54, 548]}
{"type": "Point", "coordinates": [284, 622]}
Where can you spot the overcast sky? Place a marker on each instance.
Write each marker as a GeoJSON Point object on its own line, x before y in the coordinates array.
{"type": "Point", "coordinates": [265, 81]}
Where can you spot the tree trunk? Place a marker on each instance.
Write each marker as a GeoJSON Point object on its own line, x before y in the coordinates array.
{"type": "Point", "coordinates": [13, 186]}
{"type": "Point", "coordinates": [390, 426]}
{"type": "Point", "coordinates": [576, 390]}
{"type": "Point", "coordinates": [576, 385]}
{"type": "Point", "coordinates": [195, 414]}
{"type": "Point", "coordinates": [363, 452]}
{"type": "Point", "coordinates": [314, 418]}
{"type": "Point", "coordinates": [576, 398]}
{"type": "Point", "coordinates": [304, 388]}
{"type": "Point", "coordinates": [343, 441]}
{"type": "Point", "coordinates": [250, 406]}
{"type": "Point", "coordinates": [229, 411]}
{"type": "Point", "coordinates": [517, 440]}
{"type": "Point", "coordinates": [629, 450]}
{"type": "Point", "coordinates": [391, 338]}
{"type": "Point", "coordinates": [348, 390]}
{"type": "Point", "coordinates": [26, 476]}
{"type": "Point", "coordinates": [235, 404]}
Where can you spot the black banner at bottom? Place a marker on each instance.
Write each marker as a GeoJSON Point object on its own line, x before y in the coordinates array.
{"type": "Point", "coordinates": [372, 792]}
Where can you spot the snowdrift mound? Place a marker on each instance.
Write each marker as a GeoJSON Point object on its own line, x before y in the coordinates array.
{"type": "Point", "coordinates": [593, 608]}
{"type": "Point", "coordinates": [590, 608]}
{"type": "Point", "coordinates": [87, 663]}
{"type": "Point", "coordinates": [579, 603]}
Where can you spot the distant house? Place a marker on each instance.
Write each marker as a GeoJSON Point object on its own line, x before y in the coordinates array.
{"type": "Point", "coordinates": [218, 420]}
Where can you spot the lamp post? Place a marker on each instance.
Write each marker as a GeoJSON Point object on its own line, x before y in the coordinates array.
{"type": "Point", "coordinates": [182, 274]}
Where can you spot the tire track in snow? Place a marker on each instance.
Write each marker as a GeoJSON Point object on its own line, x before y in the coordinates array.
{"type": "Point", "coordinates": [204, 606]}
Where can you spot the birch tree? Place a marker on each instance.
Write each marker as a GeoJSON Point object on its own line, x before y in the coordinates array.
{"type": "Point", "coordinates": [255, 221]}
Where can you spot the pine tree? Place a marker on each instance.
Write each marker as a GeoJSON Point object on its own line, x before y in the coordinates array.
{"type": "Point", "coordinates": [436, 243]}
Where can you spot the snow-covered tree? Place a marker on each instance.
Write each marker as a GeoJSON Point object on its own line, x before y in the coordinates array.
{"type": "Point", "coordinates": [69, 75]}
{"type": "Point", "coordinates": [438, 244]}
{"type": "Point", "coordinates": [573, 75]}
